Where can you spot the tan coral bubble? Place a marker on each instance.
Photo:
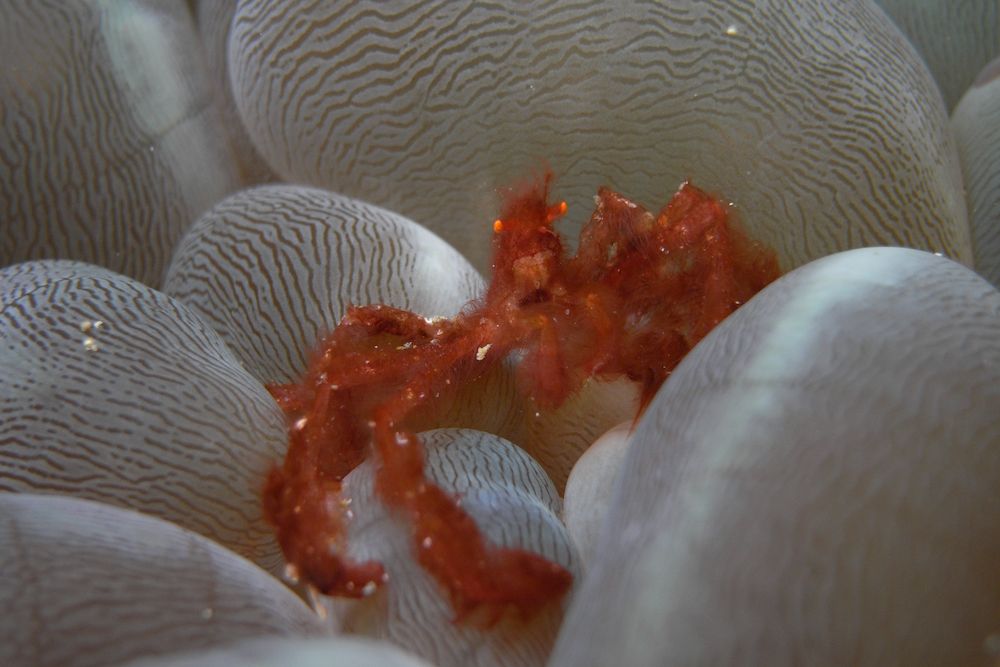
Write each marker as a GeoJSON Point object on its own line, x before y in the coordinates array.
{"type": "Point", "coordinates": [558, 438]}
{"type": "Point", "coordinates": [86, 584]}
{"type": "Point", "coordinates": [589, 488]}
{"type": "Point", "coordinates": [816, 118]}
{"type": "Point", "coordinates": [115, 392]}
{"type": "Point", "coordinates": [214, 19]}
{"type": "Point", "coordinates": [816, 483]}
{"type": "Point", "coordinates": [336, 652]}
{"type": "Point", "coordinates": [956, 39]}
{"type": "Point", "coordinates": [978, 133]}
{"type": "Point", "coordinates": [110, 143]}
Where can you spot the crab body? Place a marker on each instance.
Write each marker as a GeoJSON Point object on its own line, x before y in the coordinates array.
{"type": "Point", "coordinates": [638, 294]}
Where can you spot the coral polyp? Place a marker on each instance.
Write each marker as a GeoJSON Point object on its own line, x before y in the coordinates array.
{"type": "Point", "coordinates": [639, 293]}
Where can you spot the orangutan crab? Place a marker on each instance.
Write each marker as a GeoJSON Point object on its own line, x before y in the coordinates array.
{"type": "Point", "coordinates": [639, 293]}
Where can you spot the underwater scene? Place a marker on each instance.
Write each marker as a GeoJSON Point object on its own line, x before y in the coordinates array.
{"type": "Point", "coordinates": [499, 334]}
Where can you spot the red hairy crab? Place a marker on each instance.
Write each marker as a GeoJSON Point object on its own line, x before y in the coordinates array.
{"type": "Point", "coordinates": [639, 293]}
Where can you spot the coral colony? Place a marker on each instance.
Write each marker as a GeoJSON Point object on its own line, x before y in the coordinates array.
{"type": "Point", "coordinates": [640, 292]}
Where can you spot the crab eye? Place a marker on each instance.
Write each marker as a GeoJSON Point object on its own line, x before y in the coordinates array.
{"type": "Point", "coordinates": [556, 211]}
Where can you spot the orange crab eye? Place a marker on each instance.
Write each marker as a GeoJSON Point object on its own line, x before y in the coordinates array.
{"type": "Point", "coordinates": [497, 226]}
{"type": "Point", "coordinates": [556, 211]}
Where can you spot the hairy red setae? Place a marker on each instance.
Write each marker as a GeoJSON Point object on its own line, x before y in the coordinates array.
{"type": "Point", "coordinates": [640, 292]}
